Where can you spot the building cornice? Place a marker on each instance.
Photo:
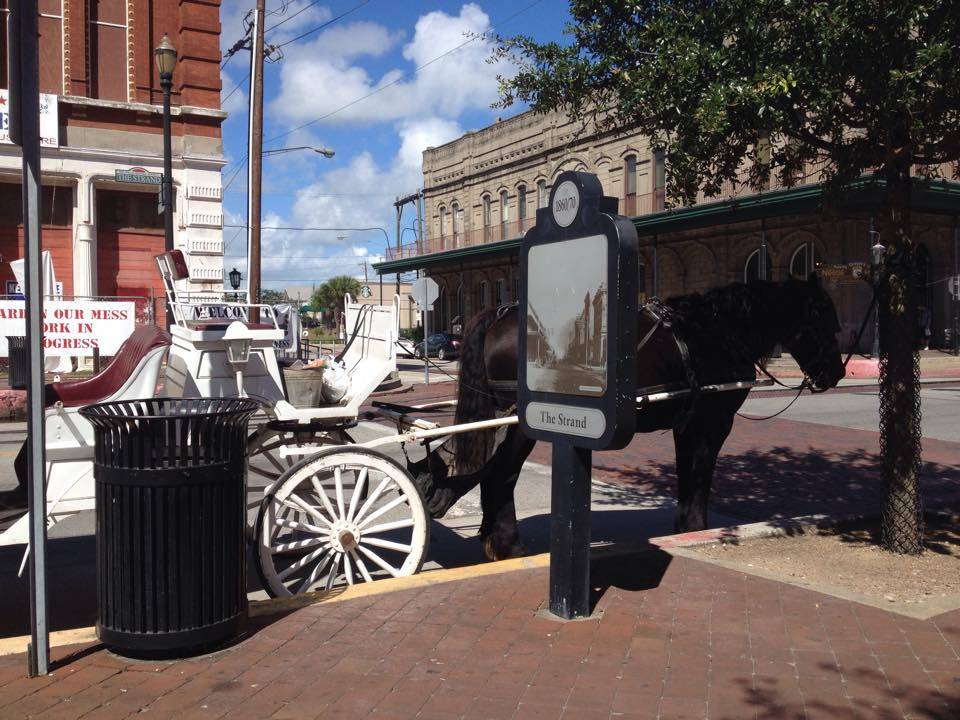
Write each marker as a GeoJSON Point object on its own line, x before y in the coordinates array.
{"type": "Point", "coordinates": [939, 197]}
{"type": "Point", "coordinates": [175, 110]}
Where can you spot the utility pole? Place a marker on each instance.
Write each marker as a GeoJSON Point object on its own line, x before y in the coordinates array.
{"type": "Point", "coordinates": [255, 156]}
{"type": "Point", "coordinates": [364, 266]}
{"type": "Point", "coordinates": [399, 207]}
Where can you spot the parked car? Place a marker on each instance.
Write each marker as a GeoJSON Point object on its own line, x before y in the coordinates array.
{"type": "Point", "coordinates": [406, 348]}
{"type": "Point", "coordinates": [442, 344]}
{"type": "Point", "coordinates": [309, 322]}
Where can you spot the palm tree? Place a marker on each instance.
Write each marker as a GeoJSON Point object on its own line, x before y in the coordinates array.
{"type": "Point", "coordinates": [330, 294]}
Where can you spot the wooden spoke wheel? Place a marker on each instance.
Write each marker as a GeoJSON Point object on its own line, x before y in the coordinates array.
{"type": "Point", "coordinates": [345, 515]}
{"type": "Point", "coordinates": [266, 461]}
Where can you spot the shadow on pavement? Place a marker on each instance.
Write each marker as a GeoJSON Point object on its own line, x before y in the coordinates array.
{"type": "Point", "coordinates": [634, 571]}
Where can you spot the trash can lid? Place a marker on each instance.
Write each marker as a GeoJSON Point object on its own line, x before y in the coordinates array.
{"type": "Point", "coordinates": [116, 412]}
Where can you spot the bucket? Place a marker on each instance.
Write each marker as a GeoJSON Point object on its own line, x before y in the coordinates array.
{"type": "Point", "coordinates": [304, 387]}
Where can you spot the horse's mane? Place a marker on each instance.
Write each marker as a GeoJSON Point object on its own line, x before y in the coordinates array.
{"type": "Point", "coordinates": [729, 315]}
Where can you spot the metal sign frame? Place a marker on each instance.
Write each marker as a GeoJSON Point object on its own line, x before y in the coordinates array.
{"type": "Point", "coordinates": [581, 227]}
{"type": "Point", "coordinates": [595, 218]}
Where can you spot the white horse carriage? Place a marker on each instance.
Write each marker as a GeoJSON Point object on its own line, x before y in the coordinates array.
{"type": "Point", "coordinates": [323, 509]}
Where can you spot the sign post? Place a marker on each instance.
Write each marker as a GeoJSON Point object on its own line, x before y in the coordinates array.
{"type": "Point", "coordinates": [425, 292]}
{"type": "Point", "coordinates": [577, 363]}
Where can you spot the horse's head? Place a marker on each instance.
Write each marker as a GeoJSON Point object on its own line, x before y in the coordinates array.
{"type": "Point", "coordinates": [812, 337]}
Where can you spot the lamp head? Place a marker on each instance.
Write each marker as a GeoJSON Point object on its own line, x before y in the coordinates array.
{"type": "Point", "coordinates": [165, 56]}
{"type": "Point", "coordinates": [238, 344]}
{"type": "Point", "coordinates": [234, 276]}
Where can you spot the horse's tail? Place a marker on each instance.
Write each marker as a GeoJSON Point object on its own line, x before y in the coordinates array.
{"type": "Point", "coordinates": [475, 398]}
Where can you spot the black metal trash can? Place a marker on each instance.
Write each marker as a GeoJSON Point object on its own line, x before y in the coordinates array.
{"type": "Point", "coordinates": [171, 514]}
{"type": "Point", "coordinates": [17, 370]}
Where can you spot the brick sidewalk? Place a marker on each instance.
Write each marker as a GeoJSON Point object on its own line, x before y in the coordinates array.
{"type": "Point", "coordinates": [673, 638]}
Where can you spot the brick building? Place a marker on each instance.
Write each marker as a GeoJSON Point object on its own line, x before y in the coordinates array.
{"type": "Point", "coordinates": [101, 128]}
{"type": "Point", "coordinates": [482, 190]}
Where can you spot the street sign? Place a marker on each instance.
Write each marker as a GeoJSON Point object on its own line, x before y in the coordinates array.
{"type": "Point", "coordinates": [577, 362]}
{"type": "Point", "coordinates": [425, 292]}
{"type": "Point", "coordinates": [138, 176]}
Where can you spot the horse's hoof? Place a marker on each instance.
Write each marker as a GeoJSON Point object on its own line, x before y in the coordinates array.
{"type": "Point", "coordinates": [495, 552]}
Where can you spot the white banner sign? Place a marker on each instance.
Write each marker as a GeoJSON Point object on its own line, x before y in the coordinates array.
{"type": "Point", "coordinates": [49, 130]}
{"type": "Point", "coordinates": [72, 327]}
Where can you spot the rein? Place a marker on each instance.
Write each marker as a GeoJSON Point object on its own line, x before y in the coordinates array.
{"type": "Point", "coordinates": [807, 383]}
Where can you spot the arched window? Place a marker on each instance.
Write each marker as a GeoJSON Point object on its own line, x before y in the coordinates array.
{"type": "Point", "coordinates": [504, 213]}
{"type": "Point", "coordinates": [482, 296]}
{"type": "Point", "coordinates": [443, 317]}
{"type": "Point", "coordinates": [522, 205]}
{"type": "Point", "coordinates": [541, 193]}
{"type": "Point", "coordinates": [486, 218]}
{"type": "Point", "coordinates": [751, 269]}
{"type": "Point", "coordinates": [499, 292]}
{"type": "Point", "coordinates": [659, 179]}
{"type": "Point", "coordinates": [630, 175]}
{"type": "Point", "coordinates": [457, 222]}
{"type": "Point", "coordinates": [443, 221]}
{"type": "Point", "coordinates": [804, 261]}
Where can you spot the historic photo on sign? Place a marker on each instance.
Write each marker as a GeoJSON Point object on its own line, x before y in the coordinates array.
{"type": "Point", "coordinates": [567, 317]}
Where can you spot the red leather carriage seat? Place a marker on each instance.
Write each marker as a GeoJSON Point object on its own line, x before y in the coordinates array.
{"type": "Point", "coordinates": [109, 380]}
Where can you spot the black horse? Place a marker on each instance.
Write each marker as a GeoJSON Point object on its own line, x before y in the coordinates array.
{"type": "Point", "coordinates": [726, 333]}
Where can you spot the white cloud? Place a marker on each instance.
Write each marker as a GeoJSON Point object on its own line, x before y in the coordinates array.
{"type": "Point", "coordinates": [358, 194]}
{"type": "Point", "coordinates": [319, 77]}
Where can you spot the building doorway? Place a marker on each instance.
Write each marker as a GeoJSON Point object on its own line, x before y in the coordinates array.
{"type": "Point", "coordinates": [56, 221]}
{"type": "Point", "coordinates": [129, 236]}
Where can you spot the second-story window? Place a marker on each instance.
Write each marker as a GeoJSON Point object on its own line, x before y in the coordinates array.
{"type": "Point", "coordinates": [486, 211]}
{"type": "Point", "coordinates": [443, 221]}
{"type": "Point", "coordinates": [541, 193]}
{"type": "Point", "coordinates": [659, 179]}
{"type": "Point", "coordinates": [630, 175]}
{"type": "Point", "coordinates": [504, 207]}
{"type": "Point", "coordinates": [521, 204]}
{"type": "Point", "coordinates": [498, 289]}
{"type": "Point", "coordinates": [457, 224]}
{"type": "Point", "coordinates": [107, 51]}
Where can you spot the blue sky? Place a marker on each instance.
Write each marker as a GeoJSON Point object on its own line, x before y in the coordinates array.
{"type": "Point", "coordinates": [313, 97]}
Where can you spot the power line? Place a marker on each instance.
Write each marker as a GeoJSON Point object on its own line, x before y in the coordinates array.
{"type": "Point", "coordinates": [321, 26]}
{"type": "Point", "coordinates": [399, 79]}
{"type": "Point", "coordinates": [297, 193]}
{"type": "Point", "coordinates": [304, 8]}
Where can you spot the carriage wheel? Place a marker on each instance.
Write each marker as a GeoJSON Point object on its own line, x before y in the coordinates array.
{"type": "Point", "coordinates": [346, 514]}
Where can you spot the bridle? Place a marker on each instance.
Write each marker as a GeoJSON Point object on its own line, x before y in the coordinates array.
{"type": "Point", "coordinates": [808, 382]}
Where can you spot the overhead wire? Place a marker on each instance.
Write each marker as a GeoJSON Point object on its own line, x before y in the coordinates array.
{"type": "Point", "coordinates": [322, 25]}
{"type": "Point", "coordinates": [401, 78]}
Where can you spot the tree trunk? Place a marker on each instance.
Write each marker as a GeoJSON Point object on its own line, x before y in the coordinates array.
{"type": "Point", "coordinates": [902, 515]}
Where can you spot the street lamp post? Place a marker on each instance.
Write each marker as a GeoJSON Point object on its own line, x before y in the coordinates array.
{"type": "Point", "coordinates": [165, 56]}
{"type": "Point", "coordinates": [877, 253]}
{"type": "Point", "coordinates": [325, 151]}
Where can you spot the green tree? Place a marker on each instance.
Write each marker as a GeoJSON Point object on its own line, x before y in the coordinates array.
{"type": "Point", "coordinates": [330, 294]}
{"type": "Point", "coordinates": [853, 86]}
{"type": "Point", "coordinates": [271, 297]}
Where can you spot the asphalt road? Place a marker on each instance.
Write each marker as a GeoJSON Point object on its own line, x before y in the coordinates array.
{"type": "Point", "coordinates": [859, 409]}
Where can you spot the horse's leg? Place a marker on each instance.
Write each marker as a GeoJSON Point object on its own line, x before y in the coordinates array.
{"type": "Point", "coordinates": [697, 446]}
{"type": "Point", "coordinates": [498, 529]}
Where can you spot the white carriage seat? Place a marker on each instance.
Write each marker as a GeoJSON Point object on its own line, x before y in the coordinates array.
{"type": "Point", "coordinates": [369, 359]}
{"type": "Point", "coordinates": [133, 373]}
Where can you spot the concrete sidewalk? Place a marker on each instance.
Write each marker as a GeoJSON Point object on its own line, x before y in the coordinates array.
{"type": "Point", "coordinates": [670, 638]}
